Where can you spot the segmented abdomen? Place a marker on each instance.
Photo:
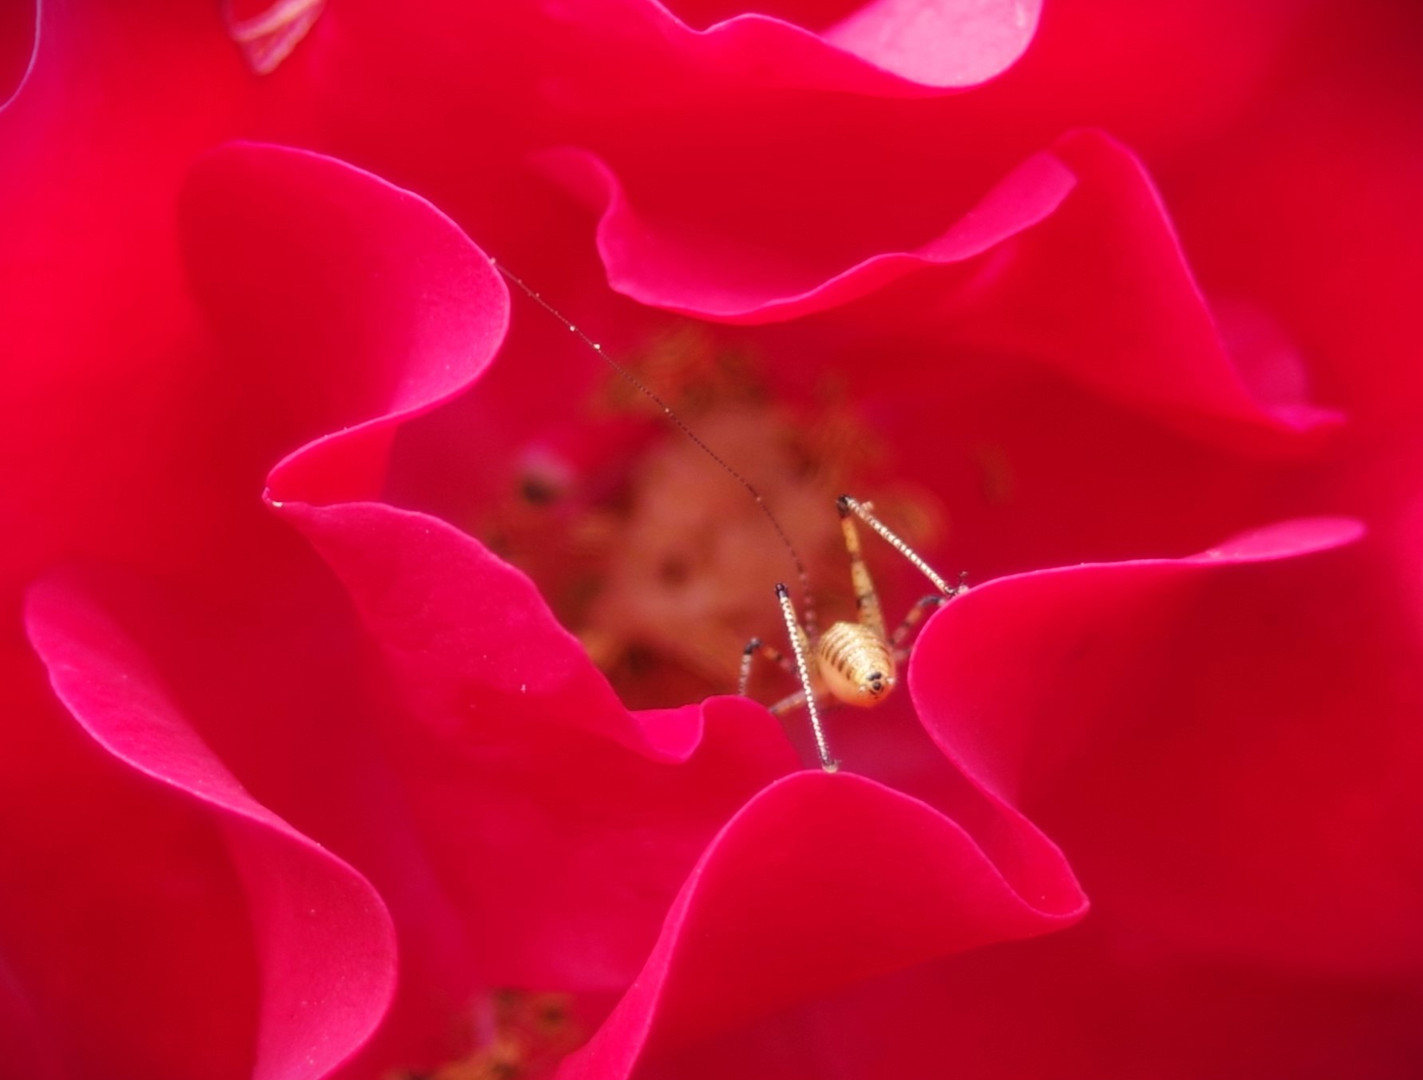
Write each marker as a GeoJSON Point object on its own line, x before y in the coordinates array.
{"type": "Point", "coordinates": [855, 664]}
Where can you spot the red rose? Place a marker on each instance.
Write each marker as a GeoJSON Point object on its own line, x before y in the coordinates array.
{"type": "Point", "coordinates": [317, 777]}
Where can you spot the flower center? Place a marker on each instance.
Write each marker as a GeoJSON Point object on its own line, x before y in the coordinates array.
{"type": "Point", "coordinates": [518, 1035]}
{"type": "Point", "coordinates": [656, 557]}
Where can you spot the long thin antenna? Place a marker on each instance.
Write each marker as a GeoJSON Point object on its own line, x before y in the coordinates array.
{"type": "Point", "coordinates": [647, 391]}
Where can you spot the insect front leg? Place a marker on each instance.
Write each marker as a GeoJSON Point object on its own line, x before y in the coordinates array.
{"type": "Point", "coordinates": [801, 649]}
{"type": "Point", "coordinates": [754, 648]}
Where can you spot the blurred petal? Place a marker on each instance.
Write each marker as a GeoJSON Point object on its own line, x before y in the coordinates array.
{"type": "Point", "coordinates": [267, 36]}
{"type": "Point", "coordinates": [1069, 261]}
{"type": "Point", "coordinates": [19, 44]}
{"type": "Point", "coordinates": [939, 42]}
{"type": "Point", "coordinates": [900, 48]}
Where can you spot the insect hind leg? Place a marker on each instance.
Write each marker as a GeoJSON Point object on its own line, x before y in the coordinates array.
{"type": "Point", "coordinates": [922, 607]}
{"type": "Point", "coordinates": [861, 510]}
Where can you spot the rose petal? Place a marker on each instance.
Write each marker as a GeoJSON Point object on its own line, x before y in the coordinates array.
{"type": "Point", "coordinates": [31, 1049]}
{"type": "Point", "coordinates": [324, 944]}
{"type": "Point", "coordinates": [347, 303]}
{"type": "Point", "coordinates": [941, 42]}
{"type": "Point", "coordinates": [19, 45]}
{"type": "Point", "coordinates": [657, 263]}
{"type": "Point", "coordinates": [518, 756]}
{"type": "Point", "coordinates": [457, 617]}
{"type": "Point", "coordinates": [1094, 1006]}
{"type": "Point", "coordinates": [1300, 215]}
{"type": "Point", "coordinates": [97, 318]}
{"type": "Point", "coordinates": [1111, 301]}
{"type": "Point", "coordinates": [1069, 261]}
{"type": "Point", "coordinates": [983, 717]}
{"type": "Point", "coordinates": [268, 36]}
{"type": "Point", "coordinates": [1183, 737]}
{"type": "Point", "coordinates": [884, 47]}
{"type": "Point", "coordinates": [819, 881]}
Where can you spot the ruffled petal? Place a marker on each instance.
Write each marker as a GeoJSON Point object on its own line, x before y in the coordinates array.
{"type": "Point", "coordinates": [986, 720]}
{"type": "Point", "coordinates": [347, 304]}
{"type": "Point", "coordinates": [321, 941]}
{"type": "Point", "coordinates": [659, 263]}
{"type": "Point", "coordinates": [1188, 737]}
{"type": "Point", "coordinates": [819, 881]}
{"type": "Point", "coordinates": [518, 756]}
{"type": "Point", "coordinates": [890, 47]}
{"type": "Point", "coordinates": [1068, 261]}
{"type": "Point", "coordinates": [268, 30]}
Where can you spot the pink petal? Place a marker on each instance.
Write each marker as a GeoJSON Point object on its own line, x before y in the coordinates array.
{"type": "Point", "coordinates": [1069, 261]}
{"type": "Point", "coordinates": [268, 34]}
{"type": "Point", "coordinates": [984, 718]}
{"type": "Point", "coordinates": [658, 264]}
{"type": "Point", "coordinates": [31, 1048]}
{"type": "Point", "coordinates": [1080, 1005]}
{"type": "Point", "coordinates": [95, 309]}
{"type": "Point", "coordinates": [819, 881]}
{"type": "Point", "coordinates": [1224, 764]}
{"type": "Point", "coordinates": [19, 45]}
{"type": "Point", "coordinates": [1107, 297]}
{"type": "Point", "coordinates": [1305, 213]}
{"type": "Point", "coordinates": [940, 42]}
{"type": "Point", "coordinates": [457, 617]}
{"type": "Point", "coordinates": [347, 304]}
{"type": "Point", "coordinates": [882, 47]}
{"type": "Point", "coordinates": [323, 942]}
{"type": "Point", "coordinates": [517, 755]}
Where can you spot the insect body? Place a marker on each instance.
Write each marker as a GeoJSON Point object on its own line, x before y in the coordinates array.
{"type": "Point", "coordinates": [851, 663]}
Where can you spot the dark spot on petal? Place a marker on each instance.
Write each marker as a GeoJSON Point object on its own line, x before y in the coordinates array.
{"type": "Point", "coordinates": [536, 491]}
{"type": "Point", "coordinates": [673, 571]}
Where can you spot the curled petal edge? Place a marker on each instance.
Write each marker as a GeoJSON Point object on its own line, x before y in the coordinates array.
{"type": "Point", "coordinates": [628, 244]}
{"type": "Point", "coordinates": [962, 646]}
{"type": "Point", "coordinates": [819, 881]}
{"type": "Point", "coordinates": [250, 212]}
{"type": "Point", "coordinates": [29, 65]}
{"type": "Point", "coordinates": [885, 48]}
{"type": "Point", "coordinates": [326, 944]}
{"type": "Point", "coordinates": [1163, 354]}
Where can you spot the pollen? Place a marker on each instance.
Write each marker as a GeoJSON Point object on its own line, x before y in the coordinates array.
{"type": "Point", "coordinates": [514, 1035]}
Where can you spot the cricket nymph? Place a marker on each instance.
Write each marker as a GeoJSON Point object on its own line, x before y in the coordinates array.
{"type": "Point", "coordinates": [851, 663]}
{"type": "Point", "coordinates": [854, 665]}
